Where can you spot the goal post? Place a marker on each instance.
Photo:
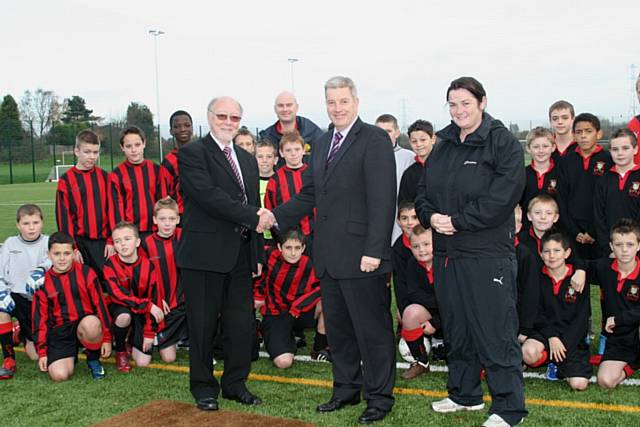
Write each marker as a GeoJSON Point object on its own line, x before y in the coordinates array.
{"type": "Point", "coordinates": [57, 171]}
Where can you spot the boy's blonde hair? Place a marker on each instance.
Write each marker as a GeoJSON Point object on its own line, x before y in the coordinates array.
{"type": "Point", "coordinates": [539, 132]}
{"type": "Point", "coordinates": [543, 198]}
{"type": "Point", "coordinates": [165, 203]}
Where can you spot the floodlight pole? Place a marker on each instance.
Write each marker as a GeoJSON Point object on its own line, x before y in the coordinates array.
{"type": "Point", "coordinates": [155, 34]}
{"type": "Point", "coordinates": [292, 61]}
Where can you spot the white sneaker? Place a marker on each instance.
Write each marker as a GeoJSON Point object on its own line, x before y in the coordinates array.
{"type": "Point", "coordinates": [496, 420]}
{"type": "Point", "coordinates": [448, 405]}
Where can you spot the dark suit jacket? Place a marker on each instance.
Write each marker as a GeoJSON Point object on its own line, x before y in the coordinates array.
{"type": "Point", "coordinates": [354, 199]}
{"type": "Point", "coordinates": [213, 209]}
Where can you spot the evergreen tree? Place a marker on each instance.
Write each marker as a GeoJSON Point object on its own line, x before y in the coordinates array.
{"type": "Point", "coordinates": [10, 125]}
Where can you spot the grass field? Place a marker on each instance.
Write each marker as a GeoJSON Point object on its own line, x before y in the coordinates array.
{"type": "Point", "coordinates": [31, 399]}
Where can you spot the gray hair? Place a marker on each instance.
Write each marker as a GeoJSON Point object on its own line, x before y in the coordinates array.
{"type": "Point", "coordinates": [338, 82]}
{"type": "Point", "coordinates": [217, 98]}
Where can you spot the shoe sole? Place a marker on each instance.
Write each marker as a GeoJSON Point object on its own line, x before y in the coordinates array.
{"type": "Point", "coordinates": [459, 409]}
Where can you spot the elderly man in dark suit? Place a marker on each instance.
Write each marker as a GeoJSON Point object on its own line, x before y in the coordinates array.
{"type": "Point", "coordinates": [218, 253]}
{"type": "Point", "coordinates": [351, 183]}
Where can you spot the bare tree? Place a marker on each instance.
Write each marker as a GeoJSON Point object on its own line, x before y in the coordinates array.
{"type": "Point", "coordinates": [41, 108]}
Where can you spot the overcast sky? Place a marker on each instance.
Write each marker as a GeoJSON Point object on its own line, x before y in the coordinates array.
{"type": "Point", "coordinates": [401, 54]}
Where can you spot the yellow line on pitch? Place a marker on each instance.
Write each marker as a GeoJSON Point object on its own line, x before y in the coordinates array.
{"type": "Point", "coordinates": [407, 391]}
{"type": "Point", "coordinates": [417, 392]}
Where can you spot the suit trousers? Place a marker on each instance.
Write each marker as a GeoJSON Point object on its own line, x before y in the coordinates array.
{"type": "Point", "coordinates": [209, 295]}
{"type": "Point", "coordinates": [477, 302]}
{"type": "Point", "coordinates": [359, 329]}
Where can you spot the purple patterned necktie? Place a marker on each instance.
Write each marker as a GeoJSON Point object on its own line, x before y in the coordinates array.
{"type": "Point", "coordinates": [236, 172]}
{"type": "Point", "coordinates": [335, 146]}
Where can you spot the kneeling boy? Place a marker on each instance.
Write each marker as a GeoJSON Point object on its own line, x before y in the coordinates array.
{"type": "Point", "coordinates": [68, 312]}
{"type": "Point", "coordinates": [287, 288]}
{"type": "Point", "coordinates": [421, 316]}
{"type": "Point", "coordinates": [620, 283]}
{"type": "Point", "coordinates": [563, 318]}
{"type": "Point", "coordinates": [132, 284]}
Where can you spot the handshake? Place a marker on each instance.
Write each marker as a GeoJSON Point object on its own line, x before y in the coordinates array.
{"type": "Point", "coordinates": [267, 220]}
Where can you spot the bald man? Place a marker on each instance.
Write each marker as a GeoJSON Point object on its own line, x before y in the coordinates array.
{"type": "Point", "coordinates": [286, 108]}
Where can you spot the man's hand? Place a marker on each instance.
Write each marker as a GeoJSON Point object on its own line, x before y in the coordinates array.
{"type": "Point", "coordinates": [610, 325]}
{"type": "Point", "coordinates": [522, 338]}
{"type": "Point", "coordinates": [369, 264]}
{"type": "Point", "coordinates": [442, 224]}
{"type": "Point", "coordinates": [585, 239]}
{"type": "Point", "coordinates": [165, 307]}
{"type": "Point", "coordinates": [428, 328]}
{"type": "Point", "coordinates": [578, 280]}
{"type": "Point", "coordinates": [258, 272]}
{"type": "Point", "coordinates": [558, 350]}
{"type": "Point", "coordinates": [267, 220]}
{"type": "Point", "coordinates": [157, 313]}
{"type": "Point", "coordinates": [109, 251]}
{"type": "Point", "coordinates": [147, 344]}
{"type": "Point", "coordinates": [42, 364]}
{"type": "Point", "coordinates": [77, 256]}
{"type": "Point", "coordinates": [105, 350]}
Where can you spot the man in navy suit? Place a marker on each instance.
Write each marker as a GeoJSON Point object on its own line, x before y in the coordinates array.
{"type": "Point", "coordinates": [218, 253]}
{"type": "Point", "coordinates": [351, 183]}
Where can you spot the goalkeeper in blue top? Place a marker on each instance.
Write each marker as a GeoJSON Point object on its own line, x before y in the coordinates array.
{"type": "Point", "coordinates": [23, 261]}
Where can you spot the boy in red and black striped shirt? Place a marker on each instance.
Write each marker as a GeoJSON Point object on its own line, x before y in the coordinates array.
{"type": "Point", "coordinates": [82, 201]}
{"type": "Point", "coordinates": [134, 185]}
{"type": "Point", "coordinates": [181, 128]}
{"type": "Point", "coordinates": [287, 181]}
{"type": "Point", "coordinates": [132, 284]}
{"type": "Point", "coordinates": [160, 248]}
{"type": "Point", "coordinates": [69, 311]}
{"type": "Point", "coordinates": [288, 288]}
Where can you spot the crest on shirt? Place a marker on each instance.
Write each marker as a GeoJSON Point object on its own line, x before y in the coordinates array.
{"type": "Point", "coordinates": [552, 187]}
{"type": "Point", "coordinates": [598, 169]}
{"type": "Point", "coordinates": [633, 294]}
{"type": "Point", "coordinates": [634, 189]}
{"type": "Point", "coordinates": [570, 296]}
{"type": "Point", "coordinates": [307, 149]}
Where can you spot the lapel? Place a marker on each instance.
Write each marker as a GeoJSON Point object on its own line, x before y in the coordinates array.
{"type": "Point", "coordinates": [218, 156]}
{"type": "Point", "coordinates": [346, 144]}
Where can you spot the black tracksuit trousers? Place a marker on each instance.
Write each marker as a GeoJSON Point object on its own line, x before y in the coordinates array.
{"type": "Point", "coordinates": [477, 300]}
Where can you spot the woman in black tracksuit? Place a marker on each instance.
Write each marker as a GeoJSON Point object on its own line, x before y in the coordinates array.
{"type": "Point", "coordinates": [471, 184]}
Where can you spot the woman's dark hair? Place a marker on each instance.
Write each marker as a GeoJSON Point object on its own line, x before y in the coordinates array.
{"type": "Point", "coordinates": [470, 84]}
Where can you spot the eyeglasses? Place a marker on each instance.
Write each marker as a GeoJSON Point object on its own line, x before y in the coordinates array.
{"type": "Point", "coordinates": [223, 117]}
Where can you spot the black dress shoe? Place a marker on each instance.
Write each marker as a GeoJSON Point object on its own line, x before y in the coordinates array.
{"type": "Point", "coordinates": [334, 404]}
{"type": "Point", "coordinates": [245, 397]}
{"type": "Point", "coordinates": [371, 415]}
{"type": "Point", "coordinates": [207, 404]}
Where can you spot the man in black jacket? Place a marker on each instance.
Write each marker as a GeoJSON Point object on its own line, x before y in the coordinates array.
{"type": "Point", "coordinates": [218, 253]}
{"type": "Point", "coordinates": [351, 184]}
{"type": "Point", "coordinates": [286, 108]}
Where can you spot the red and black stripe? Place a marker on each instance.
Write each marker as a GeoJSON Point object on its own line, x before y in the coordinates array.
{"type": "Point", "coordinates": [82, 201]}
{"type": "Point", "coordinates": [133, 191]}
{"type": "Point", "coordinates": [161, 252]}
{"type": "Point", "coordinates": [134, 286]}
{"type": "Point", "coordinates": [65, 298]}
{"type": "Point", "coordinates": [169, 177]}
{"type": "Point", "coordinates": [286, 287]}
{"type": "Point", "coordinates": [283, 185]}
